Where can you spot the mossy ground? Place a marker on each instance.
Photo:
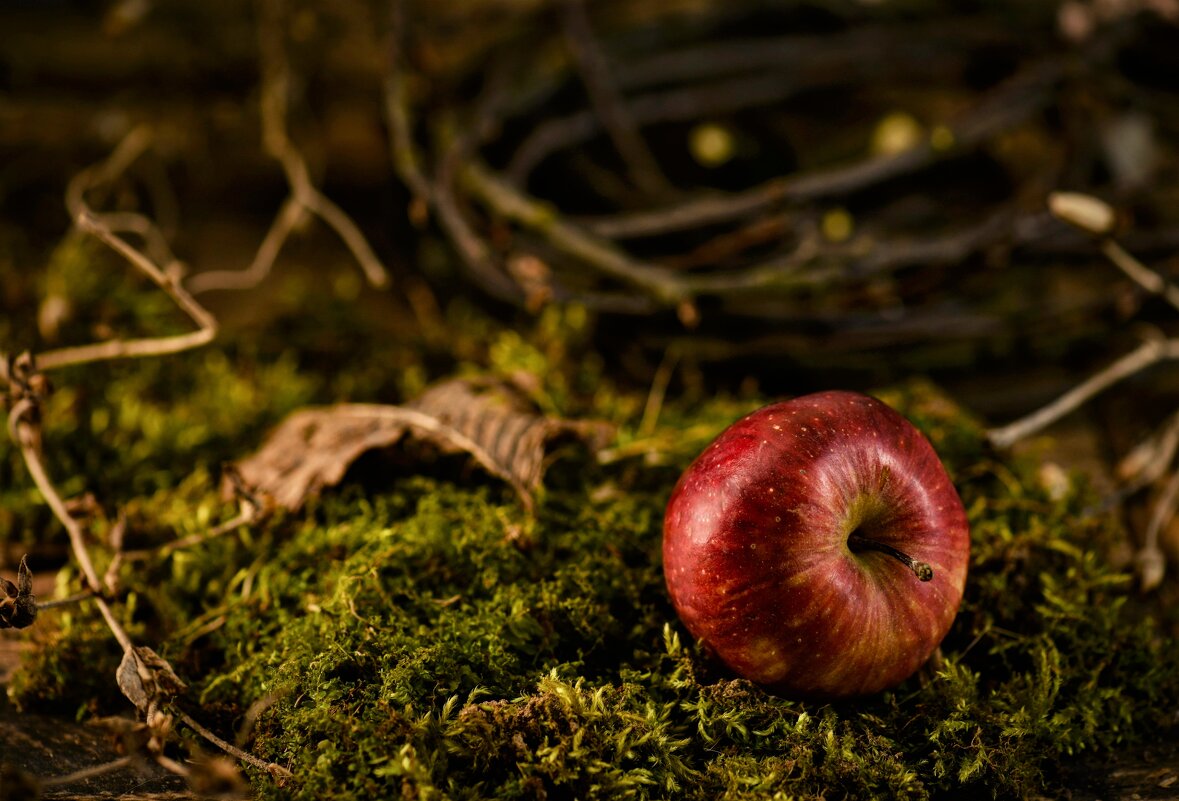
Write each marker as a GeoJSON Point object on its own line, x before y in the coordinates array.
{"type": "Point", "coordinates": [414, 634]}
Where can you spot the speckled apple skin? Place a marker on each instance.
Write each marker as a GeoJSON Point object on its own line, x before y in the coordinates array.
{"type": "Point", "coordinates": [755, 547]}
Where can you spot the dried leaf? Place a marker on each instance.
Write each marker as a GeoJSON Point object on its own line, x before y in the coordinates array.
{"type": "Point", "coordinates": [18, 605]}
{"type": "Point", "coordinates": [146, 678]}
{"type": "Point", "coordinates": [130, 682]}
{"type": "Point", "coordinates": [492, 421]}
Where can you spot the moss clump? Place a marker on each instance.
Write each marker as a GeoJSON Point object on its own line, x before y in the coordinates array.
{"type": "Point", "coordinates": [424, 639]}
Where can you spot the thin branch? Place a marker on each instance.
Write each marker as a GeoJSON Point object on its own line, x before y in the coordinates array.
{"type": "Point", "coordinates": [407, 160]}
{"type": "Point", "coordinates": [1148, 353]}
{"type": "Point", "coordinates": [119, 349]}
{"type": "Point", "coordinates": [1151, 562]}
{"type": "Point", "coordinates": [129, 150]}
{"type": "Point", "coordinates": [304, 195]}
{"type": "Point", "coordinates": [1150, 458]}
{"type": "Point", "coordinates": [620, 126]}
{"type": "Point", "coordinates": [1139, 273]}
{"type": "Point", "coordinates": [276, 79]}
{"type": "Point", "coordinates": [457, 149]}
{"type": "Point", "coordinates": [132, 146]}
{"type": "Point", "coordinates": [243, 518]}
{"type": "Point", "coordinates": [658, 391]}
{"type": "Point", "coordinates": [69, 600]}
{"type": "Point", "coordinates": [88, 773]}
{"type": "Point", "coordinates": [24, 434]}
{"type": "Point", "coordinates": [714, 98]}
{"type": "Point", "coordinates": [270, 768]}
{"type": "Point", "coordinates": [999, 110]}
{"type": "Point", "coordinates": [285, 222]}
{"type": "Point", "coordinates": [515, 205]}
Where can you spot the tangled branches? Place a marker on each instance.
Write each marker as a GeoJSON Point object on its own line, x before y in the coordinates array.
{"type": "Point", "coordinates": [754, 252]}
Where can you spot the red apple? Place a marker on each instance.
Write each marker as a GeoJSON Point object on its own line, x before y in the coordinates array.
{"type": "Point", "coordinates": [818, 547]}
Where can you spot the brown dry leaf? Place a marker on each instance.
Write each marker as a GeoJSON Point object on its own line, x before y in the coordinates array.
{"type": "Point", "coordinates": [492, 420]}
{"type": "Point", "coordinates": [146, 678]}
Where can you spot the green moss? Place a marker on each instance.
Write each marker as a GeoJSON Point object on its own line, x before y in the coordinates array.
{"type": "Point", "coordinates": [417, 636]}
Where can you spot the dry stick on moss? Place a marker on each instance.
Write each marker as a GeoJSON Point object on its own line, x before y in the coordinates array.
{"type": "Point", "coordinates": [274, 770]}
{"type": "Point", "coordinates": [619, 125]}
{"type": "Point", "coordinates": [243, 518]}
{"type": "Point", "coordinates": [289, 215]}
{"type": "Point", "coordinates": [305, 196]}
{"type": "Point", "coordinates": [24, 416]}
{"type": "Point", "coordinates": [24, 433]}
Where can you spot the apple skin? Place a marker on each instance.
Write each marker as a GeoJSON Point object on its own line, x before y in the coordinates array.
{"type": "Point", "coordinates": [756, 553]}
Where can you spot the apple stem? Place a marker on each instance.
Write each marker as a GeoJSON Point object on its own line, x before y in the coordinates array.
{"type": "Point", "coordinates": [922, 570]}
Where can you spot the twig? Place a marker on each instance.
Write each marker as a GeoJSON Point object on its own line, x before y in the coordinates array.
{"type": "Point", "coordinates": [119, 349]}
{"type": "Point", "coordinates": [620, 126]}
{"type": "Point", "coordinates": [808, 266]}
{"type": "Point", "coordinates": [1151, 562]}
{"type": "Point", "coordinates": [1139, 273]}
{"type": "Point", "coordinates": [132, 146]}
{"type": "Point", "coordinates": [154, 240]}
{"type": "Point", "coordinates": [88, 773]}
{"type": "Point", "coordinates": [508, 202]}
{"type": "Point", "coordinates": [1150, 352]}
{"type": "Point", "coordinates": [23, 433]}
{"type": "Point", "coordinates": [303, 192]}
{"type": "Point", "coordinates": [129, 150]}
{"type": "Point", "coordinates": [270, 768]}
{"type": "Point", "coordinates": [287, 219]}
{"type": "Point", "coordinates": [811, 61]}
{"type": "Point", "coordinates": [475, 252]}
{"type": "Point", "coordinates": [714, 97]}
{"type": "Point", "coordinates": [77, 597]}
{"type": "Point", "coordinates": [1094, 216]}
{"type": "Point", "coordinates": [1149, 459]}
{"type": "Point", "coordinates": [245, 517]}
{"type": "Point", "coordinates": [403, 151]}
{"type": "Point", "coordinates": [1002, 108]}
{"type": "Point", "coordinates": [658, 391]}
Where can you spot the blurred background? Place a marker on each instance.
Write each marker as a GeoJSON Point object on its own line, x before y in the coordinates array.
{"type": "Point", "coordinates": [724, 196]}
